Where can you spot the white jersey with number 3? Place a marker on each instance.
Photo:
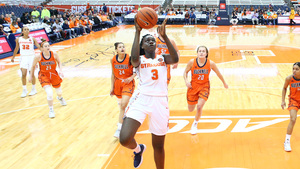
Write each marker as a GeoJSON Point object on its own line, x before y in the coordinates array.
{"type": "Point", "coordinates": [153, 76]}
{"type": "Point", "coordinates": [26, 46]}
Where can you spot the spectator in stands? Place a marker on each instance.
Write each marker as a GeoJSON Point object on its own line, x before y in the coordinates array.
{"type": "Point", "coordinates": [66, 27]}
{"type": "Point", "coordinates": [57, 33]}
{"type": "Point", "coordinates": [53, 11]}
{"type": "Point", "coordinates": [292, 16]}
{"type": "Point", "coordinates": [239, 9]}
{"type": "Point", "coordinates": [269, 13]}
{"type": "Point", "coordinates": [105, 20]}
{"type": "Point", "coordinates": [270, 19]}
{"type": "Point", "coordinates": [279, 11]}
{"type": "Point", "coordinates": [45, 12]}
{"type": "Point", "coordinates": [58, 29]}
{"type": "Point", "coordinates": [90, 15]}
{"type": "Point", "coordinates": [86, 27]}
{"type": "Point", "coordinates": [19, 23]}
{"type": "Point", "coordinates": [234, 19]}
{"type": "Point", "coordinates": [64, 17]}
{"type": "Point", "coordinates": [2, 32]}
{"type": "Point", "coordinates": [104, 8]}
{"type": "Point", "coordinates": [244, 18]}
{"type": "Point", "coordinates": [212, 18]}
{"type": "Point", "coordinates": [97, 22]}
{"type": "Point", "coordinates": [3, 21]}
{"type": "Point", "coordinates": [59, 17]}
{"type": "Point", "coordinates": [13, 16]}
{"type": "Point", "coordinates": [24, 18]}
{"type": "Point", "coordinates": [35, 15]}
{"type": "Point", "coordinates": [75, 25]}
{"type": "Point", "coordinates": [187, 18]}
{"type": "Point", "coordinates": [274, 17]}
{"type": "Point", "coordinates": [255, 18]}
{"type": "Point", "coordinates": [7, 19]}
{"type": "Point", "coordinates": [251, 8]}
{"type": "Point", "coordinates": [113, 18]}
{"type": "Point", "coordinates": [52, 19]}
{"type": "Point", "coordinates": [287, 9]}
{"type": "Point", "coordinates": [14, 27]}
{"type": "Point", "coordinates": [179, 12]}
{"type": "Point", "coordinates": [265, 15]}
{"type": "Point", "coordinates": [248, 12]}
{"type": "Point", "coordinates": [260, 19]}
{"type": "Point", "coordinates": [193, 18]}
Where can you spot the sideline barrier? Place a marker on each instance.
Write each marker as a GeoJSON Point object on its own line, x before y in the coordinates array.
{"type": "Point", "coordinates": [7, 45]}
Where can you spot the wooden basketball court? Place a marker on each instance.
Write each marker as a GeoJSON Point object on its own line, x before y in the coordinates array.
{"type": "Point", "coordinates": [242, 127]}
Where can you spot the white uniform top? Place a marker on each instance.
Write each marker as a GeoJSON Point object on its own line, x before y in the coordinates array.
{"type": "Point", "coordinates": [26, 46]}
{"type": "Point", "coordinates": [153, 76]}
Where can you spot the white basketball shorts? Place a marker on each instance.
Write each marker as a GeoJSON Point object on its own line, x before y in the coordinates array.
{"type": "Point", "coordinates": [156, 107]}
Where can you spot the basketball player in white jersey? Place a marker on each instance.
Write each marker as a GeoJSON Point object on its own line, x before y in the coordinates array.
{"type": "Point", "coordinates": [26, 45]}
{"type": "Point", "coordinates": [151, 97]}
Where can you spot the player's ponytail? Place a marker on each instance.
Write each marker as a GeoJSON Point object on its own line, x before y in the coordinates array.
{"type": "Point", "coordinates": [43, 42]}
{"type": "Point", "coordinates": [22, 31]}
{"type": "Point", "coordinates": [142, 51]}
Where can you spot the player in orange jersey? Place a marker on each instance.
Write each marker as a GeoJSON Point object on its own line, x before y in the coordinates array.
{"type": "Point", "coordinates": [161, 48]}
{"type": "Point", "coordinates": [294, 101]}
{"type": "Point", "coordinates": [26, 45]}
{"type": "Point", "coordinates": [199, 87]}
{"type": "Point", "coordinates": [48, 75]}
{"type": "Point", "coordinates": [122, 81]}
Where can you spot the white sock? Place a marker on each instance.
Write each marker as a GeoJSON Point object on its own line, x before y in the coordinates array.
{"type": "Point", "coordinates": [137, 149]}
{"type": "Point", "coordinates": [33, 87]}
{"type": "Point", "coordinates": [24, 87]}
{"type": "Point", "coordinates": [287, 137]}
{"type": "Point", "coordinates": [51, 108]}
{"type": "Point", "coordinates": [195, 122]}
{"type": "Point", "coordinates": [119, 126]}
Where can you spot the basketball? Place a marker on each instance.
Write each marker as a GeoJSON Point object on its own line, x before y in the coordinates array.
{"type": "Point", "coordinates": [146, 18]}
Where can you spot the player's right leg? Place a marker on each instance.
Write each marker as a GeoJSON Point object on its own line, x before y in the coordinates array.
{"type": "Point", "coordinates": [128, 131]}
{"type": "Point", "coordinates": [293, 118]}
{"type": "Point", "coordinates": [49, 91]}
{"type": "Point", "coordinates": [24, 74]}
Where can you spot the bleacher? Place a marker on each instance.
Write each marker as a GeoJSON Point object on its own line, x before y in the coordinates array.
{"type": "Point", "coordinates": [16, 9]}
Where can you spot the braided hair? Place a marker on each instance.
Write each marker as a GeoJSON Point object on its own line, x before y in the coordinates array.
{"type": "Point", "coordinates": [142, 51]}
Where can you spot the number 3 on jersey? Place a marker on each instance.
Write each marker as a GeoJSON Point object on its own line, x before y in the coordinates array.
{"type": "Point", "coordinates": [154, 74]}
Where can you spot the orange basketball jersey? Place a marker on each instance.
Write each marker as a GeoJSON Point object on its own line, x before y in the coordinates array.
{"type": "Point", "coordinates": [295, 89]}
{"type": "Point", "coordinates": [47, 65]}
{"type": "Point", "coordinates": [123, 69]}
{"type": "Point", "coordinates": [161, 47]}
{"type": "Point", "coordinates": [200, 74]}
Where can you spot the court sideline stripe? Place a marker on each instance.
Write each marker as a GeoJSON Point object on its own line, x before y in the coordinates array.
{"type": "Point", "coordinates": [53, 103]}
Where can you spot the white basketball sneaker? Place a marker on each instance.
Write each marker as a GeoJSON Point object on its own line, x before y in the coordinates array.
{"type": "Point", "coordinates": [287, 146]}
{"type": "Point", "coordinates": [51, 114]}
{"type": "Point", "coordinates": [62, 101]}
{"type": "Point", "coordinates": [24, 93]}
{"type": "Point", "coordinates": [33, 92]}
{"type": "Point", "coordinates": [117, 133]}
{"type": "Point", "coordinates": [194, 128]}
